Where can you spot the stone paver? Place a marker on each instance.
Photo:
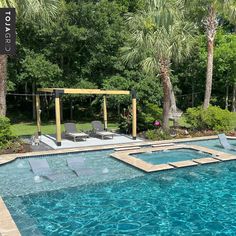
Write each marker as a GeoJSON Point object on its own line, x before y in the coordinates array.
{"type": "Point", "coordinates": [50, 140]}
{"type": "Point", "coordinates": [226, 157]}
{"type": "Point", "coordinates": [161, 167]}
{"type": "Point", "coordinates": [181, 164]}
{"type": "Point", "coordinates": [126, 148]}
{"type": "Point", "coordinates": [7, 224]}
{"type": "Point", "coordinates": [206, 160]}
{"type": "Point", "coordinates": [161, 146]}
{"type": "Point", "coordinates": [164, 144]}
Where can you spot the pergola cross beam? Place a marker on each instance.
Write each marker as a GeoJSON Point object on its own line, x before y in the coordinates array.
{"type": "Point", "coordinates": [59, 91]}
{"type": "Point", "coordinates": [84, 91]}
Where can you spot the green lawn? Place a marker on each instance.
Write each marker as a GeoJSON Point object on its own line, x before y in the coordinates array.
{"type": "Point", "coordinates": [29, 128]}
{"type": "Point", "coordinates": [49, 128]}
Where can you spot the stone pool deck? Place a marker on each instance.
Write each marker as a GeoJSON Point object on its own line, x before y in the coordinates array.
{"type": "Point", "coordinates": [5, 158]}
{"type": "Point", "coordinates": [118, 139]}
{"type": "Point", "coordinates": [7, 224]}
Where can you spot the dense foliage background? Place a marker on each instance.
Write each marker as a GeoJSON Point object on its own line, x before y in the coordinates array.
{"type": "Point", "coordinates": [82, 49]}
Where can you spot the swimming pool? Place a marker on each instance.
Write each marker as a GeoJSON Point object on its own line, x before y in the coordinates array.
{"type": "Point", "coordinates": [119, 199]}
{"type": "Point", "coordinates": [166, 156]}
{"type": "Point", "coordinates": [213, 144]}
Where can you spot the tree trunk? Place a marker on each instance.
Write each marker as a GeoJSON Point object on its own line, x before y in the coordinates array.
{"type": "Point", "coordinates": [211, 26]}
{"type": "Point", "coordinates": [234, 98]}
{"type": "Point", "coordinates": [209, 76]}
{"type": "Point", "coordinates": [234, 88]}
{"type": "Point", "coordinates": [227, 97]}
{"type": "Point", "coordinates": [173, 106]}
{"type": "Point", "coordinates": [26, 91]}
{"type": "Point", "coordinates": [33, 101]}
{"type": "Point", "coordinates": [3, 85]}
{"type": "Point", "coordinates": [172, 98]}
{"type": "Point", "coordinates": [167, 87]}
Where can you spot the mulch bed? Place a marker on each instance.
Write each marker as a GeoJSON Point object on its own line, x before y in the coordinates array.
{"type": "Point", "coordinates": [17, 148]}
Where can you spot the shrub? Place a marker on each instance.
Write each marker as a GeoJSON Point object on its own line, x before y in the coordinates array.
{"type": "Point", "coordinates": [5, 132]}
{"type": "Point", "coordinates": [146, 115]}
{"type": "Point", "coordinates": [125, 124]}
{"type": "Point", "coordinates": [157, 134]}
{"type": "Point", "coordinates": [213, 118]}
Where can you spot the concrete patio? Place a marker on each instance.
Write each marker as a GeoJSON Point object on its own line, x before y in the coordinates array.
{"type": "Point", "coordinates": [50, 140]}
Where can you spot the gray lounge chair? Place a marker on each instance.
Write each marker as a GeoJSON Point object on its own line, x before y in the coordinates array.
{"type": "Point", "coordinates": [78, 166]}
{"type": "Point", "coordinates": [40, 167]}
{"type": "Point", "coordinates": [99, 130]}
{"type": "Point", "coordinates": [71, 131]}
{"type": "Point", "coordinates": [224, 142]}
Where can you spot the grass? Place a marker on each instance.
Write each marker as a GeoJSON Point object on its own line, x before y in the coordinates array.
{"type": "Point", "coordinates": [29, 128]}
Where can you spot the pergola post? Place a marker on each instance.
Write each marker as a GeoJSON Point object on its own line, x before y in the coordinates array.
{"type": "Point", "coordinates": [134, 114]}
{"type": "Point", "coordinates": [105, 111]}
{"type": "Point", "coordinates": [38, 112]}
{"type": "Point", "coordinates": [58, 117]}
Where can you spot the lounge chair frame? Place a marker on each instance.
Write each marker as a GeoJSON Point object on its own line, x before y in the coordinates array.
{"type": "Point", "coordinates": [41, 167]}
{"type": "Point", "coordinates": [78, 166]}
{"type": "Point", "coordinates": [224, 142]}
{"type": "Point", "coordinates": [99, 131]}
{"type": "Point", "coordinates": [71, 131]}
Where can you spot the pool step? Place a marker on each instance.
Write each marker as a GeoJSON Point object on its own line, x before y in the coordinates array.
{"type": "Point", "coordinates": [163, 145]}
{"type": "Point", "coordinates": [126, 148]}
{"type": "Point", "coordinates": [225, 157]}
{"type": "Point", "coordinates": [180, 164]}
{"type": "Point", "coordinates": [206, 160]}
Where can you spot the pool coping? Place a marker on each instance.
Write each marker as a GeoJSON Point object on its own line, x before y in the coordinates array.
{"type": "Point", "coordinates": [128, 157]}
{"type": "Point", "coordinates": [7, 225]}
{"type": "Point", "coordinates": [6, 158]}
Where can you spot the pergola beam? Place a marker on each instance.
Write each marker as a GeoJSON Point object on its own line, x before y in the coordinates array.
{"type": "Point", "coordinates": [46, 90]}
{"type": "Point", "coordinates": [84, 91]}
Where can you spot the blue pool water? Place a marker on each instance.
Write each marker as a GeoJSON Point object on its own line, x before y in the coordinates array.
{"type": "Point", "coordinates": [199, 200]}
{"type": "Point", "coordinates": [166, 156]}
{"type": "Point", "coordinates": [120, 200]}
{"type": "Point", "coordinates": [214, 144]}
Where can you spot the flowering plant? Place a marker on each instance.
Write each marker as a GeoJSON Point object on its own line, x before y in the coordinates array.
{"type": "Point", "coordinates": [157, 123]}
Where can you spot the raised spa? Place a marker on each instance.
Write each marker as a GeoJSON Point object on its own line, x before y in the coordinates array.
{"type": "Point", "coordinates": [174, 155]}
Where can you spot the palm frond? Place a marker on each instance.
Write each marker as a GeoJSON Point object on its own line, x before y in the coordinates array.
{"type": "Point", "coordinates": [159, 32]}
{"type": "Point", "coordinates": [42, 11]}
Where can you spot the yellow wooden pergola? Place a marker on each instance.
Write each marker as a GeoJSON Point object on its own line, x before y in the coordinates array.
{"type": "Point", "coordinates": [58, 92]}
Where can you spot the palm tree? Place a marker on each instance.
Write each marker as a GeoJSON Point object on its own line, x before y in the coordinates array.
{"type": "Point", "coordinates": [230, 14]}
{"type": "Point", "coordinates": [39, 11]}
{"type": "Point", "coordinates": [211, 9]}
{"type": "Point", "coordinates": [159, 35]}
{"type": "Point", "coordinates": [211, 22]}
